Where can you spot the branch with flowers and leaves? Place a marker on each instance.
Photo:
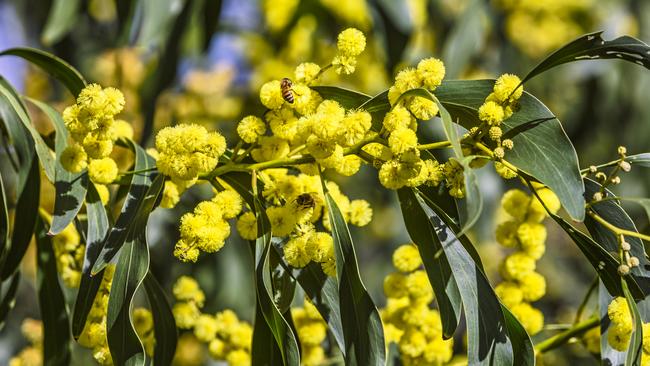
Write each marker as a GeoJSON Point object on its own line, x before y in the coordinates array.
{"type": "Point", "coordinates": [273, 186]}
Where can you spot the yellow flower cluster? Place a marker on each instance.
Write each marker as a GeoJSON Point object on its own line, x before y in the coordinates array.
{"type": "Point", "coordinates": [312, 331]}
{"type": "Point", "coordinates": [92, 125]}
{"type": "Point", "coordinates": [621, 327]}
{"type": "Point", "coordinates": [538, 27]}
{"type": "Point", "coordinates": [350, 11]}
{"type": "Point", "coordinates": [408, 319]}
{"type": "Point", "coordinates": [186, 151]}
{"type": "Point", "coordinates": [94, 332]}
{"type": "Point", "coordinates": [351, 42]}
{"type": "Point", "coordinates": [206, 229]}
{"type": "Point", "coordinates": [402, 165]}
{"type": "Point", "coordinates": [143, 323]}
{"type": "Point", "coordinates": [69, 252]}
{"type": "Point", "coordinates": [32, 355]}
{"type": "Point", "coordinates": [278, 13]}
{"type": "Point", "coordinates": [525, 233]}
{"type": "Point", "coordinates": [227, 337]}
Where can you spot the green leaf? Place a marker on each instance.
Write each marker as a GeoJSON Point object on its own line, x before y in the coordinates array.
{"type": "Point", "coordinates": [27, 207]}
{"type": "Point", "coordinates": [130, 270]}
{"type": "Point", "coordinates": [53, 65]}
{"type": "Point", "coordinates": [10, 96]}
{"type": "Point", "coordinates": [487, 330]}
{"type": "Point", "coordinates": [133, 208]}
{"type": "Point", "coordinates": [471, 207]}
{"type": "Point", "coordinates": [283, 284]}
{"type": "Point", "coordinates": [434, 259]}
{"type": "Point", "coordinates": [54, 313]}
{"type": "Point", "coordinates": [608, 355]}
{"type": "Point", "coordinates": [541, 147]}
{"type": "Point", "coordinates": [96, 233]}
{"type": "Point", "coordinates": [639, 159]}
{"type": "Point", "coordinates": [377, 106]}
{"type": "Point", "coordinates": [349, 99]}
{"type": "Point", "coordinates": [593, 47]}
{"type": "Point", "coordinates": [165, 331]}
{"type": "Point", "coordinates": [4, 220]}
{"type": "Point", "coordinates": [70, 188]}
{"type": "Point", "coordinates": [635, 349]}
{"type": "Point", "coordinates": [362, 328]}
{"type": "Point", "coordinates": [612, 212]}
{"type": "Point", "coordinates": [61, 19]}
{"type": "Point", "coordinates": [645, 203]}
{"type": "Point", "coordinates": [464, 40]}
{"type": "Point", "coordinates": [278, 325]}
{"type": "Point", "coordinates": [521, 343]}
{"type": "Point", "coordinates": [9, 299]}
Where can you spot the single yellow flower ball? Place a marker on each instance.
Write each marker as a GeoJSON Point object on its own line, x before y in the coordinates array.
{"type": "Point", "coordinates": [102, 171]}
{"type": "Point", "coordinates": [431, 72]}
{"type": "Point", "coordinates": [250, 128]}
{"type": "Point", "coordinates": [74, 158]}
{"type": "Point", "coordinates": [504, 88]}
{"type": "Point", "coordinates": [406, 258]}
{"type": "Point", "coordinates": [271, 95]}
{"type": "Point", "coordinates": [307, 72]}
{"type": "Point", "coordinates": [491, 113]}
{"type": "Point", "coordinates": [351, 42]}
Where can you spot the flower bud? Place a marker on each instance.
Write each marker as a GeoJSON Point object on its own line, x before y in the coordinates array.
{"type": "Point", "coordinates": [625, 246]}
{"type": "Point", "coordinates": [623, 269]}
{"type": "Point", "coordinates": [633, 261]}
{"type": "Point", "coordinates": [622, 150]}
{"type": "Point", "coordinates": [625, 166]}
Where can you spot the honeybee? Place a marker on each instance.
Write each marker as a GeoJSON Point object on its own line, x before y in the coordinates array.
{"type": "Point", "coordinates": [287, 92]}
{"type": "Point", "coordinates": [305, 201]}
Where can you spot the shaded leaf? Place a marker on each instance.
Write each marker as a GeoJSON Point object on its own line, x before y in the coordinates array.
{"type": "Point", "coordinates": [53, 65]}
{"type": "Point", "coordinates": [4, 220]}
{"type": "Point", "coordinates": [593, 47]}
{"type": "Point", "coordinates": [608, 355]}
{"type": "Point", "coordinates": [132, 208]}
{"type": "Point", "coordinates": [9, 95]}
{"type": "Point", "coordinates": [61, 19]}
{"type": "Point", "coordinates": [348, 99]}
{"type": "Point", "coordinates": [97, 230]}
{"type": "Point", "coordinates": [434, 259]}
{"type": "Point", "coordinates": [165, 331]}
{"type": "Point", "coordinates": [521, 343]}
{"type": "Point", "coordinates": [639, 159]}
{"type": "Point", "coordinates": [464, 40]}
{"type": "Point", "coordinates": [54, 313]}
{"type": "Point", "coordinates": [362, 327]}
{"type": "Point", "coordinates": [9, 299]}
{"type": "Point", "coordinates": [635, 348]}
{"type": "Point", "coordinates": [283, 284]}
{"type": "Point", "coordinates": [70, 188]}
{"type": "Point", "coordinates": [488, 340]}
{"type": "Point", "coordinates": [541, 147]}
{"type": "Point", "coordinates": [23, 229]}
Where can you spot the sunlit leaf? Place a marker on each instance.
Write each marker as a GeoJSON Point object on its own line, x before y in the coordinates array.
{"type": "Point", "coordinates": [635, 348]}
{"type": "Point", "coordinates": [348, 99]}
{"type": "Point", "coordinates": [165, 331]}
{"type": "Point", "coordinates": [61, 19]}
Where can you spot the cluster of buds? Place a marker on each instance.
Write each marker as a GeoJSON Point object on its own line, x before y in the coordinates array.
{"type": "Point", "coordinates": [628, 260]}
{"type": "Point", "coordinates": [612, 178]}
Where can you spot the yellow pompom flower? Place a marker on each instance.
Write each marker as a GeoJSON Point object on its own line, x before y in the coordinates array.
{"type": "Point", "coordinates": [418, 286]}
{"type": "Point", "coordinates": [186, 252]}
{"type": "Point", "coordinates": [536, 210]}
{"type": "Point", "coordinates": [439, 351]}
{"type": "Point", "coordinates": [351, 42]}
{"type": "Point", "coordinates": [238, 358]}
{"type": "Point", "coordinates": [431, 71]}
{"type": "Point", "coordinates": [187, 289]}
{"type": "Point", "coordinates": [516, 265]}
{"type": "Point", "coordinates": [395, 285]}
{"type": "Point", "coordinates": [102, 171]}
{"type": "Point", "coordinates": [403, 140]}
{"type": "Point", "coordinates": [618, 311]}
{"type": "Point", "coordinates": [282, 223]}
{"type": "Point", "coordinates": [531, 318]}
{"type": "Point", "coordinates": [406, 258]}
{"type": "Point", "coordinates": [97, 146]}
{"type": "Point", "coordinates": [74, 158]}
{"type": "Point", "coordinates": [122, 129]}
{"type": "Point", "coordinates": [271, 95]}
{"type": "Point", "coordinates": [320, 247]}
{"type": "Point", "coordinates": [504, 88]}
{"type": "Point", "coordinates": [532, 237]}
{"type": "Point", "coordinates": [205, 328]}
{"type": "Point", "coordinates": [247, 226]}
{"type": "Point", "coordinates": [312, 334]}
{"type": "Point", "coordinates": [295, 251]}
{"type": "Point", "coordinates": [533, 286]}
{"type": "Point", "coordinates": [397, 118]}
{"type": "Point", "coordinates": [349, 165]}
{"type": "Point", "coordinates": [504, 171]}
{"type": "Point", "coordinates": [229, 203]}
{"type": "Point", "coordinates": [515, 202]}
{"type": "Point", "coordinates": [423, 108]}
{"type": "Point", "coordinates": [355, 125]}
{"type": "Point", "coordinates": [412, 343]}
{"type": "Point", "coordinates": [170, 196]}
{"type": "Point", "coordinates": [360, 212]}
{"type": "Point", "coordinates": [591, 339]}
{"type": "Point", "coordinates": [344, 64]}
{"type": "Point", "coordinates": [283, 122]}
{"type": "Point", "coordinates": [407, 79]}
{"type": "Point", "coordinates": [271, 148]}
{"type": "Point", "coordinates": [250, 128]}
{"type": "Point", "coordinates": [491, 113]}
{"type": "Point", "coordinates": [307, 72]}
{"type": "Point", "coordinates": [389, 175]}
{"type": "Point", "coordinates": [185, 314]}
{"type": "Point", "coordinates": [506, 234]}
{"type": "Point", "coordinates": [618, 336]}
{"type": "Point", "coordinates": [509, 293]}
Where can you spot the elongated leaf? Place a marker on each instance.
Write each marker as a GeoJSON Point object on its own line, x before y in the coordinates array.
{"type": "Point", "coordinates": [348, 99]}
{"type": "Point", "coordinates": [608, 354]}
{"type": "Point", "coordinates": [635, 348]}
{"type": "Point", "coordinates": [464, 40]}
{"type": "Point", "coordinates": [377, 106]}
{"type": "Point", "coordinates": [434, 259]}
{"type": "Point", "coordinates": [53, 65]}
{"type": "Point", "coordinates": [54, 313]}
{"type": "Point", "coordinates": [487, 330]}
{"type": "Point", "coordinates": [132, 266]}
{"type": "Point", "coordinates": [639, 160]}
{"type": "Point", "coordinates": [27, 207]}
{"type": "Point", "coordinates": [471, 207]}
{"type": "Point", "coordinates": [10, 96]}
{"type": "Point", "coordinates": [541, 147]}
{"type": "Point", "coordinates": [283, 284]}
{"type": "Point", "coordinates": [61, 19]}
{"type": "Point", "coordinates": [165, 331]}
{"type": "Point", "coordinates": [521, 343]}
{"type": "Point", "coordinates": [70, 188]}
{"type": "Point", "coordinates": [278, 325]}
{"type": "Point", "coordinates": [362, 328]}
{"type": "Point", "coordinates": [89, 285]}
{"type": "Point", "coordinates": [131, 209]}
{"type": "Point", "coordinates": [593, 47]}
{"type": "Point", "coordinates": [9, 299]}
{"type": "Point", "coordinates": [4, 220]}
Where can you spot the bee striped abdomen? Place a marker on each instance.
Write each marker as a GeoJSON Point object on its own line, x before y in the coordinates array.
{"type": "Point", "coordinates": [287, 93]}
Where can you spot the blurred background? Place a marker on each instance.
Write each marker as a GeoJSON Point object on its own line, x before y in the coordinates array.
{"type": "Point", "coordinates": [203, 61]}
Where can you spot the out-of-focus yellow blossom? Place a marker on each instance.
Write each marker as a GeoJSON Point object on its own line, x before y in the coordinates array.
{"type": "Point", "coordinates": [31, 355]}
{"type": "Point", "coordinates": [102, 171]}
{"type": "Point", "coordinates": [408, 319]}
{"type": "Point", "coordinates": [360, 213]}
{"type": "Point", "coordinates": [187, 150]}
{"type": "Point", "coordinates": [69, 252]}
{"type": "Point", "coordinates": [509, 293]}
{"type": "Point", "coordinates": [311, 331]}
{"type": "Point", "coordinates": [278, 13]}
{"type": "Point", "coordinates": [189, 351]}
{"type": "Point", "coordinates": [307, 72]}
{"type": "Point", "coordinates": [170, 196]}
{"type": "Point", "coordinates": [591, 340]}
{"type": "Point", "coordinates": [351, 11]}
{"type": "Point", "coordinates": [532, 319]}
{"type": "Point", "coordinates": [515, 202]}
{"type": "Point", "coordinates": [74, 159]}
{"type": "Point", "coordinates": [351, 42]}
{"type": "Point", "coordinates": [143, 323]}
{"type": "Point", "coordinates": [93, 335]}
